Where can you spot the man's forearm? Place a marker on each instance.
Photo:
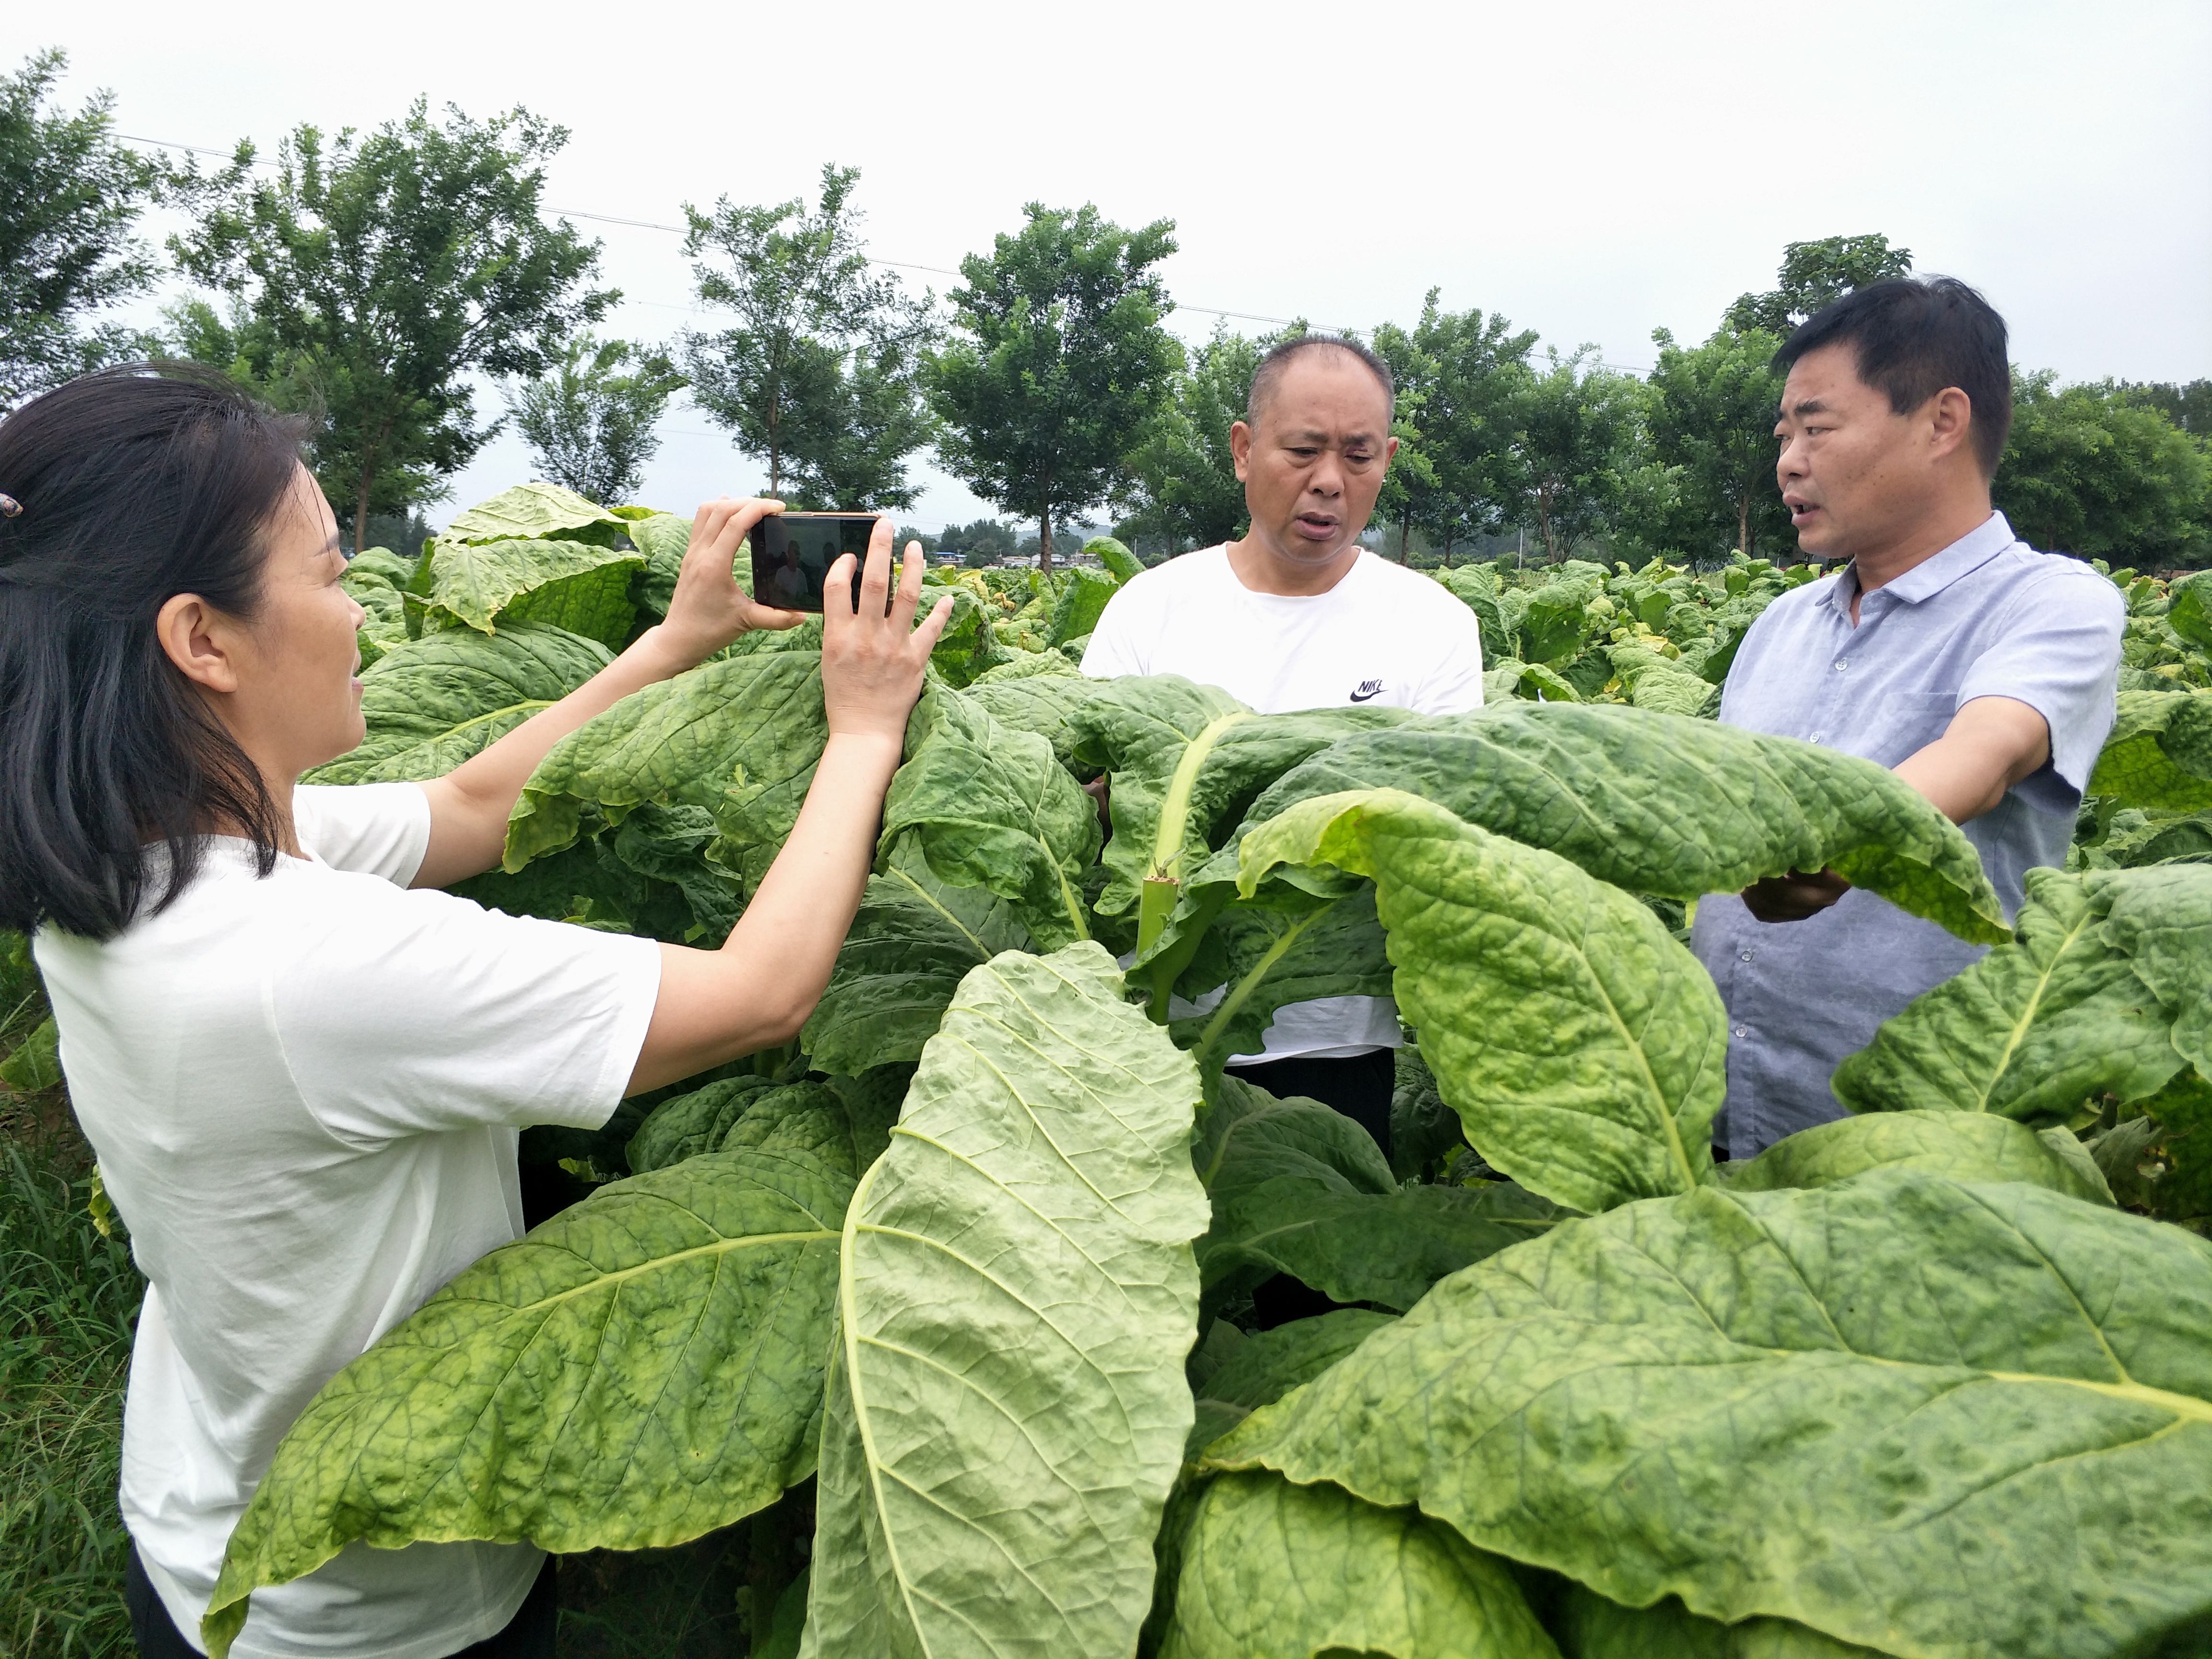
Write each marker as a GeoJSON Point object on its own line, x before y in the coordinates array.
{"type": "Point", "coordinates": [1990, 744]}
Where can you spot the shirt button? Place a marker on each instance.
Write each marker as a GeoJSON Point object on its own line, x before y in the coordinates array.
{"type": "Point", "coordinates": [1842, 664]}
{"type": "Point", "coordinates": [1743, 1031]}
{"type": "Point", "coordinates": [1747, 956]}
{"type": "Point", "coordinates": [1819, 737]}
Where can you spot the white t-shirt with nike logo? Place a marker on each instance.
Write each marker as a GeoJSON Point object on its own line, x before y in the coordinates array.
{"type": "Point", "coordinates": [1383, 636]}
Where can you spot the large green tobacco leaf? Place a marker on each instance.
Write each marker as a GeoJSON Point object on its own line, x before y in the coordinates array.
{"type": "Point", "coordinates": [532, 510]}
{"type": "Point", "coordinates": [1261, 957]}
{"type": "Point", "coordinates": [1260, 1369]}
{"type": "Point", "coordinates": [1271, 1571]}
{"type": "Point", "coordinates": [1300, 1188]}
{"type": "Point", "coordinates": [375, 579]}
{"type": "Point", "coordinates": [1046, 704]}
{"type": "Point", "coordinates": [1583, 1049]}
{"type": "Point", "coordinates": [967, 648]}
{"type": "Point", "coordinates": [1666, 805]}
{"type": "Point", "coordinates": [1186, 759]}
{"type": "Point", "coordinates": [2159, 754]}
{"type": "Point", "coordinates": [739, 736]}
{"type": "Point", "coordinates": [667, 844]}
{"type": "Point", "coordinates": [1007, 1410]}
{"type": "Point", "coordinates": [433, 703]}
{"type": "Point", "coordinates": [643, 1368]}
{"type": "Point", "coordinates": [912, 943]}
{"type": "Point", "coordinates": [1590, 1627]}
{"type": "Point", "coordinates": [1354, 1247]}
{"type": "Point", "coordinates": [1958, 1145]}
{"type": "Point", "coordinates": [2064, 1014]}
{"type": "Point", "coordinates": [990, 807]}
{"type": "Point", "coordinates": [1928, 1418]}
{"type": "Point", "coordinates": [573, 584]}
{"type": "Point", "coordinates": [664, 538]}
{"type": "Point", "coordinates": [2162, 920]}
{"type": "Point", "coordinates": [844, 1128]}
{"type": "Point", "coordinates": [1081, 602]}
{"type": "Point", "coordinates": [686, 1124]}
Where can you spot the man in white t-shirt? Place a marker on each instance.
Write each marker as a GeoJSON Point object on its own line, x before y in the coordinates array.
{"type": "Point", "coordinates": [1297, 615]}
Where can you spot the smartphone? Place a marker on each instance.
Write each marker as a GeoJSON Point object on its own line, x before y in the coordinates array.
{"type": "Point", "coordinates": [792, 553]}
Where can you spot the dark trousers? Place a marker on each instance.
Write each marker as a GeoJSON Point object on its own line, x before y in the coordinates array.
{"type": "Point", "coordinates": [528, 1635]}
{"type": "Point", "coordinates": [1357, 1085]}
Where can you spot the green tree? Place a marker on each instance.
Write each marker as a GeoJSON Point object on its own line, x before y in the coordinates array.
{"type": "Point", "coordinates": [589, 422]}
{"type": "Point", "coordinates": [1711, 413]}
{"type": "Point", "coordinates": [71, 195]}
{"type": "Point", "coordinates": [817, 376]}
{"type": "Point", "coordinates": [1456, 370]}
{"type": "Point", "coordinates": [1815, 274]}
{"type": "Point", "coordinates": [2189, 407]}
{"type": "Point", "coordinates": [375, 274]}
{"type": "Point", "coordinates": [1572, 442]}
{"type": "Point", "coordinates": [2090, 471]}
{"type": "Point", "coordinates": [1187, 484]}
{"type": "Point", "coordinates": [1063, 366]}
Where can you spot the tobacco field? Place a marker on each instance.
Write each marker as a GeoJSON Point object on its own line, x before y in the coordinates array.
{"type": "Point", "coordinates": [953, 1297]}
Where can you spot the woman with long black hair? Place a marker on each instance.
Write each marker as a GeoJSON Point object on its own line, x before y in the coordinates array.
{"type": "Point", "coordinates": [302, 1068]}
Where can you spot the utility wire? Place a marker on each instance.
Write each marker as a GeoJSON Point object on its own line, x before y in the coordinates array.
{"type": "Point", "coordinates": [680, 230]}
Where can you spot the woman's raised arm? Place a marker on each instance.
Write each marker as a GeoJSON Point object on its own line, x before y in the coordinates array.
{"type": "Point", "coordinates": [470, 805]}
{"type": "Point", "coordinates": [757, 990]}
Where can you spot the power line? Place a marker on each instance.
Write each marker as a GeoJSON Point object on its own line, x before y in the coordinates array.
{"type": "Point", "coordinates": [681, 230]}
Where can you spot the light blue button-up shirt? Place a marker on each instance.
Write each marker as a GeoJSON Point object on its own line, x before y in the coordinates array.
{"type": "Point", "coordinates": [1987, 616]}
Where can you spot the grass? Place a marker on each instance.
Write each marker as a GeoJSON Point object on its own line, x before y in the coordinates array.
{"type": "Point", "coordinates": [67, 1300]}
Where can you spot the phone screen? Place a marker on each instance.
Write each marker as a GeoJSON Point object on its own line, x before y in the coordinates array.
{"type": "Point", "coordinates": [792, 553]}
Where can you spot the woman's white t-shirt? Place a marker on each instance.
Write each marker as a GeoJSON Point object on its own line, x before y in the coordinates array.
{"type": "Point", "coordinates": [1383, 636]}
{"type": "Point", "coordinates": [305, 1090]}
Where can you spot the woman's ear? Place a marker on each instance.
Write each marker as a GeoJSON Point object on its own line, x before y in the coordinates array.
{"type": "Point", "coordinates": [197, 638]}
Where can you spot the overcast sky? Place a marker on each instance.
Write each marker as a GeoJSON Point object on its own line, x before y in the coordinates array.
{"type": "Point", "coordinates": [1592, 171]}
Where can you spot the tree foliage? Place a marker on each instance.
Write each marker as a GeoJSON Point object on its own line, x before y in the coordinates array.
{"type": "Point", "coordinates": [817, 377]}
{"type": "Point", "coordinates": [1186, 477]}
{"type": "Point", "coordinates": [1457, 374]}
{"type": "Point", "coordinates": [1817, 274]}
{"type": "Point", "coordinates": [1061, 365]}
{"type": "Point", "coordinates": [376, 272]}
{"type": "Point", "coordinates": [2092, 470]}
{"type": "Point", "coordinates": [1711, 416]}
{"type": "Point", "coordinates": [588, 423]}
{"type": "Point", "coordinates": [71, 196]}
{"type": "Point", "coordinates": [1573, 430]}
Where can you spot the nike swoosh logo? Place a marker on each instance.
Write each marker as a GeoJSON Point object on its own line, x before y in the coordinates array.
{"type": "Point", "coordinates": [1363, 696]}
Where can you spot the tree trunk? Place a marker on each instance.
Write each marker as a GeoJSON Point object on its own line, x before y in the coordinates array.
{"type": "Point", "coordinates": [1743, 524]}
{"type": "Point", "coordinates": [361, 514]}
{"type": "Point", "coordinates": [1044, 537]}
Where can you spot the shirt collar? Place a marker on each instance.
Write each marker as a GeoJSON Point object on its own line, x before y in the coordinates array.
{"type": "Point", "coordinates": [1932, 576]}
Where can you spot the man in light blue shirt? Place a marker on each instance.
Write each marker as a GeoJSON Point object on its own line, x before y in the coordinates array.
{"type": "Point", "coordinates": [1981, 671]}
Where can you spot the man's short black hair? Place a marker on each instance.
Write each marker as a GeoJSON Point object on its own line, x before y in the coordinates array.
{"type": "Point", "coordinates": [1914, 336]}
{"type": "Point", "coordinates": [1279, 359]}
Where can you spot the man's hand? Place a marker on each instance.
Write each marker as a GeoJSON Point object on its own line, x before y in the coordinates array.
{"type": "Point", "coordinates": [709, 610]}
{"type": "Point", "coordinates": [1794, 896]}
{"type": "Point", "coordinates": [1101, 790]}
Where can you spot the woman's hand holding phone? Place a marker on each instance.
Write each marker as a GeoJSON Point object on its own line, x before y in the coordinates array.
{"type": "Point", "coordinates": [709, 610]}
{"type": "Point", "coordinates": [758, 990]}
{"type": "Point", "coordinates": [872, 658]}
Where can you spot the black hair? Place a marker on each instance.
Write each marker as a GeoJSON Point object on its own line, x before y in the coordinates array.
{"type": "Point", "coordinates": [1279, 359]}
{"type": "Point", "coordinates": [1914, 336]}
{"type": "Point", "coordinates": [135, 484]}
